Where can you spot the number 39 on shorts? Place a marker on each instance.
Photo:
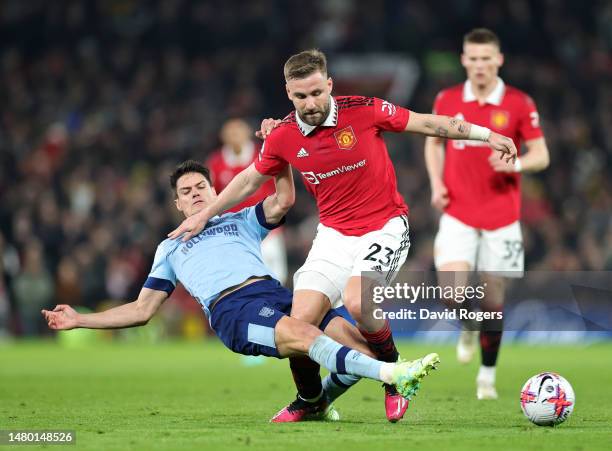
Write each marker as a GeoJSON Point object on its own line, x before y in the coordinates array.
{"type": "Point", "coordinates": [514, 250]}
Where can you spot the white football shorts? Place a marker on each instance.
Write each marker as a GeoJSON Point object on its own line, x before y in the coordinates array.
{"type": "Point", "coordinates": [335, 257]}
{"type": "Point", "coordinates": [498, 251]}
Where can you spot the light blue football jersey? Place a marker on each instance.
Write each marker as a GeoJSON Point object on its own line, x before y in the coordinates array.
{"type": "Point", "coordinates": [224, 254]}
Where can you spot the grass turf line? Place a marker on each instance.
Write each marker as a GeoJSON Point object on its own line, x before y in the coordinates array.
{"type": "Point", "coordinates": [200, 396]}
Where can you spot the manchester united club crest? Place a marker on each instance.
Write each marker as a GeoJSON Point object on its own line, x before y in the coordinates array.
{"type": "Point", "coordinates": [500, 119]}
{"type": "Point", "coordinates": [346, 138]}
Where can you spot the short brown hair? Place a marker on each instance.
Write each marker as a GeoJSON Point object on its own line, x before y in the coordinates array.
{"type": "Point", "coordinates": [304, 64]}
{"type": "Point", "coordinates": [481, 36]}
{"type": "Point", "coordinates": [187, 167]}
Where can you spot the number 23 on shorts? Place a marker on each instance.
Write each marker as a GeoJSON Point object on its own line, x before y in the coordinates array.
{"type": "Point", "coordinates": [380, 254]}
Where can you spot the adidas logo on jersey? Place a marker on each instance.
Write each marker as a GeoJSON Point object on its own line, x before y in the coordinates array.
{"type": "Point", "coordinates": [302, 153]}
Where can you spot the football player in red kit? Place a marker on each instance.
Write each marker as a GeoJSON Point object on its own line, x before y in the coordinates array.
{"type": "Point", "coordinates": [237, 152]}
{"type": "Point", "coordinates": [478, 193]}
{"type": "Point", "coordinates": [337, 145]}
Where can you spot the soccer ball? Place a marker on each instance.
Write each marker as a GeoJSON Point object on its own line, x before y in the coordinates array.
{"type": "Point", "coordinates": [547, 399]}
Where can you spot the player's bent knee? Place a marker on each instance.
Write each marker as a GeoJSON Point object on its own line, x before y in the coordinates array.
{"type": "Point", "coordinates": [304, 316]}
{"type": "Point", "coordinates": [294, 337]}
{"type": "Point", "coordinates": [353, 306]}
{"type": "Point", "coordinates": [309, 306]}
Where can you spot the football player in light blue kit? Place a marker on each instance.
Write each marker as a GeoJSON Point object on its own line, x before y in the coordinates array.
{"type": "Point", "coordinates": [223, 270]}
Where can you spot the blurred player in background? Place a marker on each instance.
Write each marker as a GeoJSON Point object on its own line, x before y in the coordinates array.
{"type": "Point", "coordinates": [223, 270]}
{"type": "Point", "coordinates": [237, 153]}
{"type": "Point", "coordinates": [478, 193]}
{"type": "Point", "coordinates": [336, 143]}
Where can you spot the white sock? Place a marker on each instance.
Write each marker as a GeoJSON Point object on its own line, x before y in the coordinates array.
{"type": "Point", "coordinates": [486, 374]}
{"type": "Point", "coordinates": [312, 400]}
{"type": "Point", "coordinates": [386, 372]}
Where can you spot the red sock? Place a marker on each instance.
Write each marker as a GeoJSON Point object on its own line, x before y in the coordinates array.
{"type": "Point", "coordinates": [490, 343]}
{"type": "Point", "coordinates": [381, 343]}
{"type": "Point", "coordinates": [490, 339]}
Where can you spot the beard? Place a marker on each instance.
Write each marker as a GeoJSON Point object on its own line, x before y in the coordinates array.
{"type": "Point", "coordinates": [316, 117]}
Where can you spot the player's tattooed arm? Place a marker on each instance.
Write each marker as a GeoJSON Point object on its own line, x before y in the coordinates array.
{"type": "Point", "coordinates": [437, 125]}
{"type": "Point", "coordinates": [460, 125]}
{"type": "Point", "coordinates": [453, 128]}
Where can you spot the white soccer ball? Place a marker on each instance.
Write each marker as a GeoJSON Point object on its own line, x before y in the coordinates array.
{"type": "Point", "coordinates": [547, 399]}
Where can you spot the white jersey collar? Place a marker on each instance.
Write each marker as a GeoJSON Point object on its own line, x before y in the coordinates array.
{"type": "Point", "coordinates": [244, 158]}
{"type": "Point", "coordinates": [330, 121]}
{"type": "Point", "coordinates": [495, 98]}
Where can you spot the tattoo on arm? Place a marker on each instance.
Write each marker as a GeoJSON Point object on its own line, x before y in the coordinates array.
{"type": "Point", "coordinates": [461, 126]}
{"type": "Point", "coordinates": [441, 132]}
{"type": "Point", "coordinates": [436, 130]}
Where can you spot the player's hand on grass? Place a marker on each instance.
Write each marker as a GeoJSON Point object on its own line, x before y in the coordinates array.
{"type": "Point", "coordinates": [267, 125]}
{"type": "Point", "coordinates": [501, 165]}
{"type": "Point", "coordinates": [62, 317]}
{"type": "Point", "coordinates": [191, 226]}
{"type": "Point", "coordinates": [439, 196]}
{"type": "Point", "coordinates": [504, 145]}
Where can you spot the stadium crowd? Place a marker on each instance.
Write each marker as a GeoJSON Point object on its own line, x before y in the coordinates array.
{"type": "Point", "coordinates": [101, 99]}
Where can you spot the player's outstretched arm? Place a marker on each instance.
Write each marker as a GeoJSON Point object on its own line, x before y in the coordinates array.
{"type": "Point", "coordinates": [241, 187]}
{"type": "Point", "coordinates": [278, 204]}
{"type": "Point", "coordinates": [453, 128]}
{"type": "Point", "coordinates": [137, 313]}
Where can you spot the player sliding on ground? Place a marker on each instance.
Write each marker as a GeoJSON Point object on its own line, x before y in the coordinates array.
{"type": "Point", "coordinates": [222, 268]}
{"type": "Point", "coordinates": [337, 144]}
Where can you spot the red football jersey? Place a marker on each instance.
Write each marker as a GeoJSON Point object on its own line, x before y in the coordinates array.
{"type": "Point", "coordinates": [479, 196]}
{"type": "Point", "coordinates": [344, 162]}
{"type": "Point", "coordinates": [224, 165]}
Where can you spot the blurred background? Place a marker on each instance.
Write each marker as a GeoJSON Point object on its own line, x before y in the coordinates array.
{"type": "Point", "coordinates": [100, 99]}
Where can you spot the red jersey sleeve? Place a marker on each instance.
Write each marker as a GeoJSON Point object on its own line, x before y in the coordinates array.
{"type": "Point", "coordinates": [390, 117]}
{"type": "Point", "coordinates": [270, 161]}
{"type": "Point", "coordinates": [529, 121]}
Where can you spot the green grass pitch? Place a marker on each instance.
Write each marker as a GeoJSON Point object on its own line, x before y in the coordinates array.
{"type": "Point", "coordinates": [200, 396]}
